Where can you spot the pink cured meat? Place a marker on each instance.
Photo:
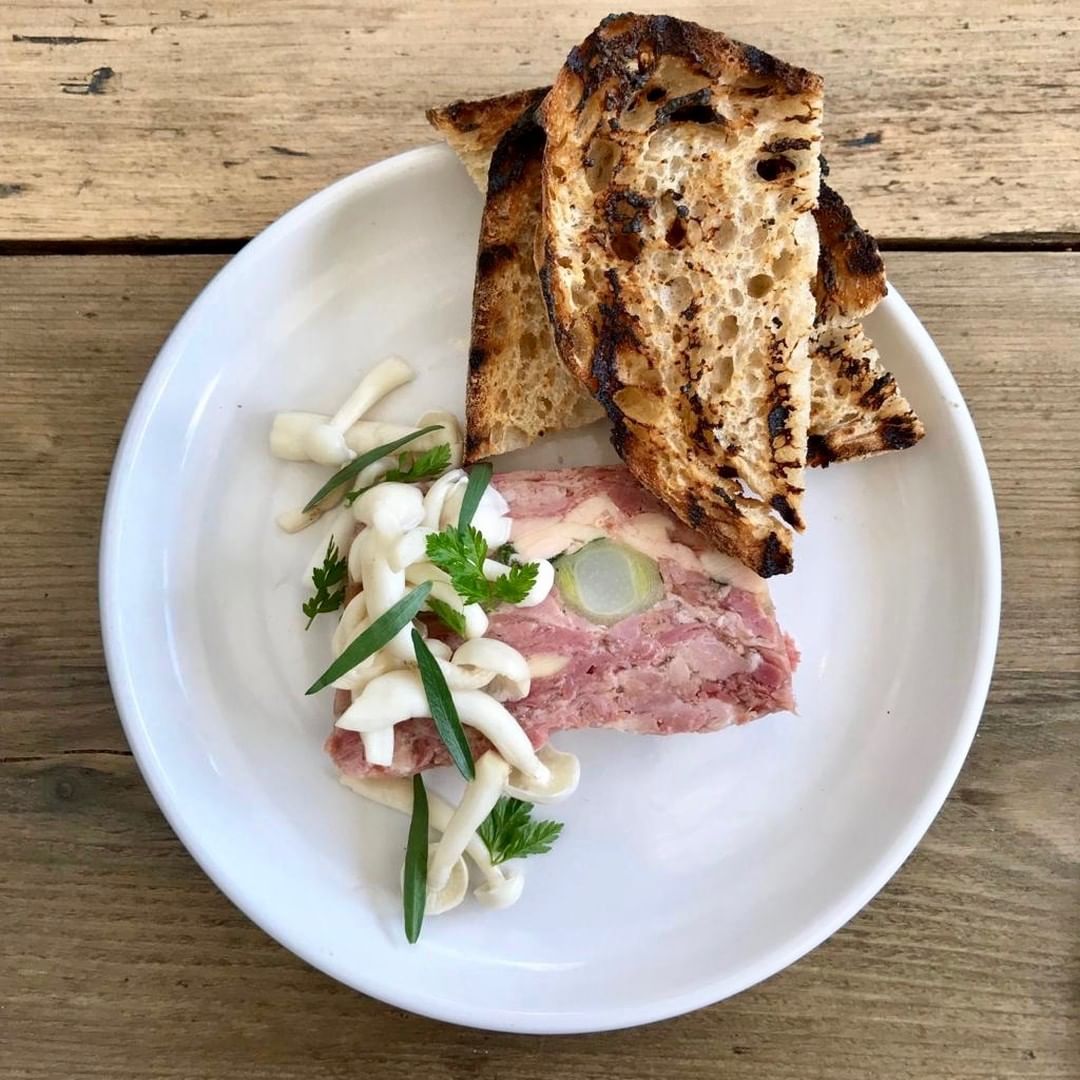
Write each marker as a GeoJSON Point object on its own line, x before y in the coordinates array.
{"type": "Point", "coordinates": [706, 656]}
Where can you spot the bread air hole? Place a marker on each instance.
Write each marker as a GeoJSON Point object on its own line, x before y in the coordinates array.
{"type": "Point", "coordinates": [759, 285]}
{"type": "Point", "coordinates": [635, 371]}
{"type": "Point", "coordinates": [783, 265]}
{"type": "Point", "coordinates": [626, 245]}
{"type": "Point", "coordinates": [723, 370]}
{"type": "Point", "coordinates": [676, 234]}
{"type": "Point", "coordinates": [676, 294]}
{"type": "Point", "coordinates": [729, 329]}
{"type": "Point", "coordinates": [639, 406]}
{"type": "Point", "coordinates": [724, 234]}
{"type": "Point", "coordinates": [527, 345]}
{"type": "Point", "coordinates": [753, 87]}
{"type": "Point", "coordinates": [775, 167]}
{"type": "Point", "coordinates": [581, 332]}
{"type": "Point", "coordinates": [601, 160]}
{"type": "Point", "coordinates": [588, 117]}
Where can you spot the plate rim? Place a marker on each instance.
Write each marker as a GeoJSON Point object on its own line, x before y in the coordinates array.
{"type": "Point", "coordinates": [708, 992]}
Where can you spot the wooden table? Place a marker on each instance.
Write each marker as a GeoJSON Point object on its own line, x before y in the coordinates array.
{"type": "Point", "coordinates": [140, 145]}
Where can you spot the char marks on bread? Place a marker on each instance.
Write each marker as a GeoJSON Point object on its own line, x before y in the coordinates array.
{"type": "Point", "coordinates": [680, 176]}
{"type": "Point", "coordinates": [517, 386]}
{"type": "Point", "coordinates": [846, 422]}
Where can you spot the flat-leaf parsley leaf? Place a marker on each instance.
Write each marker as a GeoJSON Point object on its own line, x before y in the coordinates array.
{"type": "Point", "coordinates": [450, 617]}
{"type": "Point", "coordinates": [326, 598]}
{"type": "Point", "coordinates": [461, 553]}
{"type": "Point", "coordinates": [510, 833]}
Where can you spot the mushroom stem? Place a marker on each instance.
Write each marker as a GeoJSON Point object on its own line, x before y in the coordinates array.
{"type": "Point", "coordinates": [500, 888]}
{"type": "Point", "coordinates": [481, 794]}
{"type": "Point", "coordinates": [399, 695]}
{"type": "Point", "coordinates": [379, 746]}
{"type": "Point", "coordinates": [376, 384]}
{"type": "Point", "coordinates": [294, 521]}
{"type": "Point", "coordinates": [325, 442]}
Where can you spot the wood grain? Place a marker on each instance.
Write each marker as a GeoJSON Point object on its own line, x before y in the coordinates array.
{"type": "Point", "coordinates": [120, 959]}
{"type": "Point", "coordinates": [945, 119]}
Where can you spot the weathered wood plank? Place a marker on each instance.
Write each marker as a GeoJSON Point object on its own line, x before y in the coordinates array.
{"type": "Point", "coordinates": [79, 335]}
{"type": "Point", "coordinates": [944, 119]}
{"type": "Point", "coordinates": [122, 960]}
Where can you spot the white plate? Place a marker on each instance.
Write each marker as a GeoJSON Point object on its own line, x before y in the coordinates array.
{"type": "Point", "coordinates": [691, 867]}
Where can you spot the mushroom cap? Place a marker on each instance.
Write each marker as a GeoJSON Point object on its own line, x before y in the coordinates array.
{"type": "Point", "coordinates": [452, 893]}
{"type": "Point", "coordinates": [563, 775]}
{"type": "Point", "coordinates": [501, 891]}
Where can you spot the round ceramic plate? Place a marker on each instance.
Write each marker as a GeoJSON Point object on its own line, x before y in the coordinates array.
{"type": "Point", "coordinates": [690, 866]}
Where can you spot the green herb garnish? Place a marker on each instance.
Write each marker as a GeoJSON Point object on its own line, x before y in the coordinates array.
{"type": "Point", "coordinates": [449, 616]}
{"type": "Point", "coordinates": [324, 578]}
{"type": "Point", "coordinates": [505, 553]}
{"type": "Point", "coordinates": [348, 472]}
{"type": "Point", "coordinates": [375, 636]}
{"type": "Point", "coordinates": [422, 467]}
{"type": "Point", "coordinates": [414, 887]}
{"type": "Point", "coordinates": [510, 833]}
{"type": "Point", "coordinates": [479, 479]}
{"type": "Point", "coordinates": [460, 553]}
{"type": "Point", "coordinates": [443, 710]}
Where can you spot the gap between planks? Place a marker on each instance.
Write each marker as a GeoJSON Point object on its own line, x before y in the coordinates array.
{"type": "Point", "coordinates": [161, 246]}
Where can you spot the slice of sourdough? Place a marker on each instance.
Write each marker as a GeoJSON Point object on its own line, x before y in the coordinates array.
{"type": "Point", "coordinates": [856, 408]}
{"type": "Point", "coordinates": [680, 174]}
{"type": "Point", "coordinates": [474, 128]}
{"type": "Point", "coordinates": [849, 283]}
{"type": "Point", "coordinates": [517, 389]}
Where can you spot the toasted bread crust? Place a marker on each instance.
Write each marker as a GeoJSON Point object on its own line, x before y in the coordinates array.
{"type": "Point", "coordinates": [517, 387]}
{"type": "Point", "coordinates": [856, 409]}
{"type": "Point", "coordinates": [474, 128]}
{"type": "Point", "coordinates": [687, 428]}
{"type": "Point", "coordinates": [600, 61]}
{"type": "Point", "coordinates": [850, 280]}
{"type": "Point", "coordinates": [849, 284]}
{"type": "Point", "coordinates": [867, 413]}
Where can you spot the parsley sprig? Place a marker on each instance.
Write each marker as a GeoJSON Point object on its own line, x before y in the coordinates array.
{"type": "Point", "coordinates": [505, 553]}
{"type": "Point", "coordinates": [460, 553]}
{"type": "Point", "coordinates": [510, 833]}
{"type": "Point", "coordinates": [449, 616]}
{"type": "Point", "coordinates": [326, 598]}
{"type": "Point", "coordinates": [425, 466]}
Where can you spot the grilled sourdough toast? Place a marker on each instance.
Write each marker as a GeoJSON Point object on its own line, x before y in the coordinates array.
{"type": "Point", "coordinates": [517, 389]}
{"type": "Point", "coordinates": [680, 174]}
{"type": "Point", "coordinates": [474, 128]}
{"type": "Point", "coordinates": [856, 408]}
{"type": "Point", "coordinates": [846, 374]}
